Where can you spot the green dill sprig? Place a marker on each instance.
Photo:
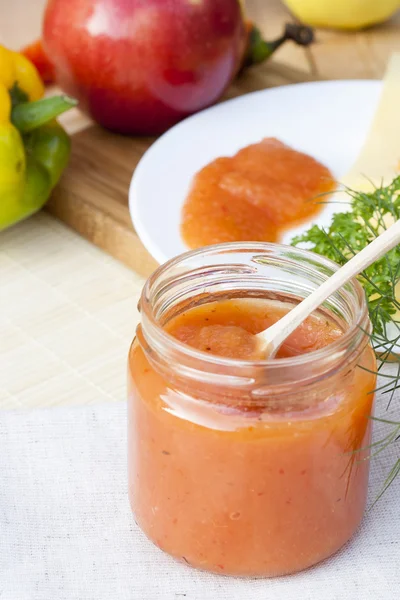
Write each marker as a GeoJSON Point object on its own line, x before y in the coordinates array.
{"type": "Point", "coordinates": [365, 217]}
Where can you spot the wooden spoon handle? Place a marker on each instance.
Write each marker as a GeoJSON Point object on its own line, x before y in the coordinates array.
{"type": "Point", "coordinates": [273, 337]}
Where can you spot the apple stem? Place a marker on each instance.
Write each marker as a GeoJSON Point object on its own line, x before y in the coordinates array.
{"type": "Point", "coordinates": [259, 50]}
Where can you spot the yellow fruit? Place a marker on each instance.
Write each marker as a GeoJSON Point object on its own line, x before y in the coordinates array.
{"type": "Point", "coordinates": [343, 14]}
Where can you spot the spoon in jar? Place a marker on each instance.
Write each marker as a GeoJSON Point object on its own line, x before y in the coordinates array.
{"type": "Point", "coordinates": [234, 341]}
{"type": "Point", "coordinates": [269, 340]}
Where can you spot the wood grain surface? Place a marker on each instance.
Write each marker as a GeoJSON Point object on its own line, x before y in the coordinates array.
{"type": "Point", "coordinates": [92, 196]}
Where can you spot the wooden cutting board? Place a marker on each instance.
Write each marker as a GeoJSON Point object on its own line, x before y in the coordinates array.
{"type": "Point", "coordinates": [92, 196]}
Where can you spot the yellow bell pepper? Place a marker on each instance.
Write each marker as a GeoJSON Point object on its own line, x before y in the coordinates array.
{"type": "Point", "coordinates": [34, 149]}
{"type": "Point", "coordinates": [15, 69]}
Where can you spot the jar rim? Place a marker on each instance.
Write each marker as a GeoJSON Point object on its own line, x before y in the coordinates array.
{"type": "Point", "coordinates": [336, 349]}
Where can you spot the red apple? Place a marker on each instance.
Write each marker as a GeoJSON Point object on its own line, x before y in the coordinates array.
{"type": "Point", "coordinates": [139, 66]}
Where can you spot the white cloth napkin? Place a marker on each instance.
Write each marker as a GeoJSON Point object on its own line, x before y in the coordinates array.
{"type": "Point", "coordinates": [66, 531]}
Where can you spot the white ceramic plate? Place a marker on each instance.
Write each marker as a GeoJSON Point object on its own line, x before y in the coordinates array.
{"type": "Point", "coordinates": [328, 120]}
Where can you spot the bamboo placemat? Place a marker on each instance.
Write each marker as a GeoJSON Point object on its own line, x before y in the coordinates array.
{"type": "Point", "coordinates": [67, 316]}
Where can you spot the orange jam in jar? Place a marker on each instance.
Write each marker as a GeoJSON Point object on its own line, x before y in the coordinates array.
{"type": "Point", "coordinates": [241, 466]}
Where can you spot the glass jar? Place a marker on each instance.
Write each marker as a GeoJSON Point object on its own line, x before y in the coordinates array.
{"type": "Point", "coordinates": [248, 468]}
